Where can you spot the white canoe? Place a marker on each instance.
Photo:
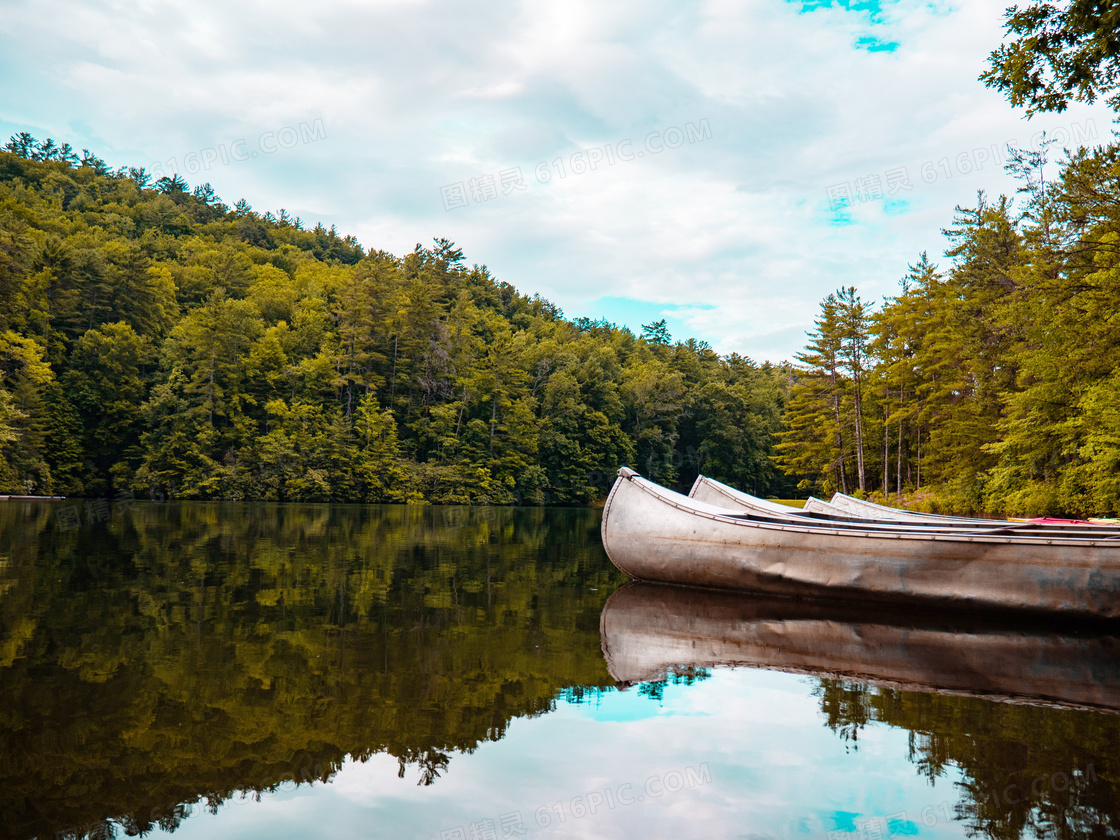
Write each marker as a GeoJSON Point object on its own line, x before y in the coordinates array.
{"type": "Point", "coordinates": [654, 534]}
{"type": "Point", "coordinates": [709, 490]}
{"type": "Point", "coordinates": [865, 509]}
{"type": "Point", "coordinates": [650, 632]}
{"type": "Point", "coordinates": [860, 507]}
{"type": "Point", "coordinates": [717, 493]}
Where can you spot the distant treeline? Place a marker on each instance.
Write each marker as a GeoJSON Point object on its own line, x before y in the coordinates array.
{"type": "Point", "coordinates": [993, 383]}
{"type": "Point", "coordinates": [156, 341]}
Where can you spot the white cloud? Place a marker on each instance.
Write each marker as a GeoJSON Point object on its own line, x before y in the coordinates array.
{"type": "Point", "coordinates": [417, 95]}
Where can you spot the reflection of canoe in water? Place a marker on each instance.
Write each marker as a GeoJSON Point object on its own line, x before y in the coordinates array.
{"type": "Point", "coordinates": [652, 533]}
{"type": "Point", "coordinates": [650, 631]}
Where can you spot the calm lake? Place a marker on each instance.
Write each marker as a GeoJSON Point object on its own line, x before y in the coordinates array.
{"type": "Point", "coordinates": [202, 670]}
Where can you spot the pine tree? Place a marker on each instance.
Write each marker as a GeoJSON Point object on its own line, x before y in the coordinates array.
{"type": "Point", "coordinates": [814, 443]}
{"type": "Point", "coordinates": [854, 322]}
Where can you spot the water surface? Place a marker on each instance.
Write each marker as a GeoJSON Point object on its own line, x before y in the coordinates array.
{"type": "Point", "coordinates": [273, 671]}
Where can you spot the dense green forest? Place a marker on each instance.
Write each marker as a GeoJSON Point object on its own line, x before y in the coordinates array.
{"type": "Point", "coordinates": [991, 383]}
{"type": "Point", "coordinates": [155, 341]}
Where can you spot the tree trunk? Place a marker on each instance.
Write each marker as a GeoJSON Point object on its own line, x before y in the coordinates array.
{"type": "Point", "coordinates": [462, 408]}
{"type": "Point", "coordinates": [210, 391]}
{"type": "Point", "coordinates": [393, 375]}
{"type": "Point", "coordinates": [858, 411]}
{"type": "Point", "coordinates": [918, 484]}
{"type": "Point", "coordinates": [898, 466]}
{"type": "Point", "coordinates": [493, 422]}
{"type": "Point", "coordinates": [839, 443]}
{"type": "Point", "coordinates": [886, 453]}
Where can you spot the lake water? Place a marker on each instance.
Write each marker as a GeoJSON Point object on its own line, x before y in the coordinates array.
{"type": "Point", "coordinates": [203, 670]}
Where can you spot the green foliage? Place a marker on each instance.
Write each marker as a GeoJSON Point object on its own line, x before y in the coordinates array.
{"type": "Point", "coordinates": [1060, 52]}
{"type": "Point", "coordinates": [152, 339]}
{"type": "Point", "coordinates": [993, 384]}
{"type": "Point", "coordinates": [822, 412]}
{"type": "Point", "coordinates": [9, 434]}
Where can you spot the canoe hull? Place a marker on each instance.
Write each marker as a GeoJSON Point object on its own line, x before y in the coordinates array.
{"type": "Point", "coordinates": [653, 534]}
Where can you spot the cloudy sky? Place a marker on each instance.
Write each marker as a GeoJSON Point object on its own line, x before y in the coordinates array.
{"type": "Point", "coordinates": [723, 165]}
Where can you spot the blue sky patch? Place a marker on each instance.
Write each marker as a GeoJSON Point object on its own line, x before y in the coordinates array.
{"type": "Point", "coordinates": [905, 828]}
{"type": "Point", "coordinates": [844, 820]}
{"type": "Point", "coordinates": [873, 44]}
{"type": "Point", "coordinates": [633, 313]}
{"type": "Point", "coordinates": [872, 8]}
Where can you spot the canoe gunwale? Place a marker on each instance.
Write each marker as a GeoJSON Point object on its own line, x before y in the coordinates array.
{"type": "Point", "coordinates": [832, 513]}
{"type": "Point", "coordinates": [728, 493]}
{"type": "Point", "coordinates": [850, 502]}
{"type": "Point", "coordinates": [817, 509]}
{"type": "Point", "coordinates": [847, 509]}
{"type": "Point", "coordinates": [862, 507]}
{"type": "Point", "coordinates": [858, 530]}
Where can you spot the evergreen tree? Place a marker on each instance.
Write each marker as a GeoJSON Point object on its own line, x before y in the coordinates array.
{"type": "Point", "coordinates": [854, 322]}
{"type": "Point", "coordinates": [814, 442]}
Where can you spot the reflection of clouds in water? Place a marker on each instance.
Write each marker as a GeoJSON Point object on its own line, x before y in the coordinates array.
{"type": "Point", "coordinates": [775, 771]}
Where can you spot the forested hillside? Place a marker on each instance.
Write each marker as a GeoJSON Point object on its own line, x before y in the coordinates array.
{"type": "Point", "coordinates": [156, 341]}
{"type": "Point", "coordinates": [993, 381]}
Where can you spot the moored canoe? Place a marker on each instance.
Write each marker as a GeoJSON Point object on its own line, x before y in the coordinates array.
{"type": "Point", "coordinates": [654, 534]}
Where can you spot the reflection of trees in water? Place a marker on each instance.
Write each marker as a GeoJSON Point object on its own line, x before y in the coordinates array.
{"type": "Point", "coordinates": [430, 762]}
{"type": "Point", "coordinates": [655, 689]}
{"type": "Point", "coordinates": [846, 709]}
{"type": "Point", "coordinates": [183, 654]}
{"type": "Point", "coordinates": [1027, 770]}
